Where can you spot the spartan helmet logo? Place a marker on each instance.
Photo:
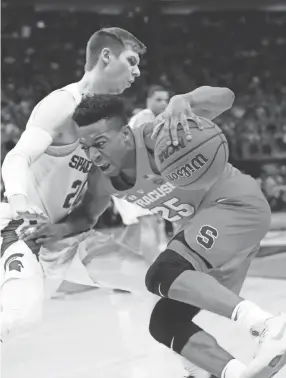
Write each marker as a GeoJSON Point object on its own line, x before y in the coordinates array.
{"type": "Point", "coordinates": [14, 263]}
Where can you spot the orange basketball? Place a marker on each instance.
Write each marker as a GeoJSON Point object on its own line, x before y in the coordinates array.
{"type": "Point", "coordinates": [194, 164]}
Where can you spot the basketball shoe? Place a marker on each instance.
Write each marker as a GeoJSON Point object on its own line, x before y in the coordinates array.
{"type": "Point", "coordinates": [271, 353]}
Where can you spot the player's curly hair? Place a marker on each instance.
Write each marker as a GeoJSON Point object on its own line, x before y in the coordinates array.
{"type": "Point", "coordinates": [94, 108]}
{"type": "Point", "coordinates": [116, 39]}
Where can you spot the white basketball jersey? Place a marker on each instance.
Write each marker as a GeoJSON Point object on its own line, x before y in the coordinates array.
{"type": "Point", "coordinates": [145, 116]}
{"type": "Point", "coordinates": [59, 175]}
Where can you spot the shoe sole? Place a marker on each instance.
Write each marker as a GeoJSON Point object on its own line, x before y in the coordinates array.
{"type": "Point", "coordinates": [277, 350]}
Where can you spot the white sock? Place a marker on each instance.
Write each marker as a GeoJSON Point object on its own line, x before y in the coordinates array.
{"type": "Point", "coordinates": [233, 369]}
{"type": "Point", "coordinates": [195, 371]}
{"type": "Point", "coordinates": [250, 316]}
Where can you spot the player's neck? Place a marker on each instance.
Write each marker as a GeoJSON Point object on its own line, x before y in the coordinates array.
{"type": "Point", "coordinates": [91, 84]}
{"type": "Point", "coordinates": [130, 167]}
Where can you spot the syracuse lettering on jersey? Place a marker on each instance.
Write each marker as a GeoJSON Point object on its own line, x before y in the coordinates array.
{"type": "Point", "coordinates": [80, 163]}
{"type": "Point", "coordinates": [155, 194]}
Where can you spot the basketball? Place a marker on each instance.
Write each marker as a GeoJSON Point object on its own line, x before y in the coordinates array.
{"type": "Point", "coordinates": [194, 164]}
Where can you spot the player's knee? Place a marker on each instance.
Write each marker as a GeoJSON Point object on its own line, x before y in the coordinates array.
{"type": "Point", "coordinates": [164, 271]}
{"type": "Point", "coordinates": [171, 323]}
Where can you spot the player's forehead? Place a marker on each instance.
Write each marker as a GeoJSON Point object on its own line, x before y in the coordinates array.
{"type": "Point", "coordinates": [161, 95]}
{"type": "Point", "coordinates": [95, 129]}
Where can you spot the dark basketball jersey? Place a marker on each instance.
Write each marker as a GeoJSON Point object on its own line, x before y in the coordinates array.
{"type": "Point", "coordinates": [152, 192]}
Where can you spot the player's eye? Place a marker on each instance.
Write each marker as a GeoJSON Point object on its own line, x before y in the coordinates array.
{"type": "Point", "coordinates": [132, 61]}
{"type": "Point", "coordinates": [99, 144]}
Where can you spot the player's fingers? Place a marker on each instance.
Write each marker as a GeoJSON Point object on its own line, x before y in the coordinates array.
{"type": "Point", "coordinates": [27, 215]}
{"type": "Point", "coordinates": [186, 127]}
{"type": "Point", "coordinates": [174, 123]}
{"type": "Point", "coordinates": [40, 216]}
{"type": "Point", "coordinates": [44, 240]}
{"type": "Point", "coordinates": [35, 233]}
{"type": "Point", "coordinates": [197, 121]}
{"type": "Point", "coordinates": [16, 215]}
{"type": "Point", "coordinates": [26, 230]}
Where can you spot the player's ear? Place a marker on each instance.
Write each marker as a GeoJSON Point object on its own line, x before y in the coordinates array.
{"type": "Point", "coordinates": [105, 55]}
{"type": "Point", "coordinates": [126, 132]}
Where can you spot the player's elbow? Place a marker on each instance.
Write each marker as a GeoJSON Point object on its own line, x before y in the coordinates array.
{"type": "Point", "coordinates": [228, 97]}
{"type": "Point", "coordinates": [221, 97]}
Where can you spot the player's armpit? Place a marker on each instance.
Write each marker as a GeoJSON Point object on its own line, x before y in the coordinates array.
{"type": "Point", "coordinates": [94, 203]}
{"type": "Point", "coordinates": [210, 102]}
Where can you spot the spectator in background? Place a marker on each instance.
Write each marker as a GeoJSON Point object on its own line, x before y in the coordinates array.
{"type": "Point", "coordinates": [156, 103]}
{"type": "Point", "coordinates": [273, 184]}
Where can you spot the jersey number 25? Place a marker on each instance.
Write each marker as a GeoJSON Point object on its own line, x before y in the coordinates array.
{"type": "Point", "coordinates": [183, 210]}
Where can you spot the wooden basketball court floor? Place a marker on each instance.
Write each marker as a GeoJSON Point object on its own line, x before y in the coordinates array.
{"type": "Point", "coordinates": [102, 334]}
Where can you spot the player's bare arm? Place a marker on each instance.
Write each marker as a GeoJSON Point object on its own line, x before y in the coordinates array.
{"type": "Point", "coordinates": [81, 219]}
{"type": "Point", "coordinates": [94, 203]}
{"type": "Point", "coordinates": [44, 128]}
{"type": "Point", "coordinates": [207, 102]}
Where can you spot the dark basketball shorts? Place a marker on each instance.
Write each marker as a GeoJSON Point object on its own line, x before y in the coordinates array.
{"type": "Point", "coordinates": [223, 238]}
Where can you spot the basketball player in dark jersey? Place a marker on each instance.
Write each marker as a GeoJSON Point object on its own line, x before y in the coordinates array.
{"type": "Point", "coordinates": [206, 262]}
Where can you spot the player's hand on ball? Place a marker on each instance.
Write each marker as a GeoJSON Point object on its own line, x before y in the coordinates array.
{"type": "Point", "coordinates": [21, 209]}
{"type": "Point", "coordinates": [177, 113]}
{"type": "Point", "coordinates": [43, 233]}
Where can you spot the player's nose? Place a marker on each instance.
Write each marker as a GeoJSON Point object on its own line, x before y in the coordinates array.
{"type": "Point", "coordinates": [95, 156]}
{"type": "Point", "coordinates": [136, 72]}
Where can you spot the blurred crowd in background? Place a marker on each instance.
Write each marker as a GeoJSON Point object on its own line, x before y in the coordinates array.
{"type": "Point", "coordinates": [42, 51]}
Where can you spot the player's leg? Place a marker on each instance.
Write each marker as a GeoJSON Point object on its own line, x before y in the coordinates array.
{"type": "Point", "coordinates": [21, 280]}
{"type": "Point", "coordinates": [171, 324]}
{"type": "Point", "coordinates": [218, 248]}
{"type": "Point", "coordinates": [215, 243]}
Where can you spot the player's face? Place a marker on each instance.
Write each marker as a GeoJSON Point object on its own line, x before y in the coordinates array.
{"type": "Point", "coordinates": [158, 102]}
{"type": "Point", "coordinates": [104, 146]}
{"type": "Point", "coordinates": [122, 70]}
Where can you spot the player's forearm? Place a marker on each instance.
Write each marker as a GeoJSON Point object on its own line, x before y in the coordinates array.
{"type": "Point", "coordinates": [15, 169]}
{"type": "Point", "coordinates": [78, 221]}
{"type": "Point", "coordinates": [209, 102]}
{"type": "Point", "coordinates": [85, 216]}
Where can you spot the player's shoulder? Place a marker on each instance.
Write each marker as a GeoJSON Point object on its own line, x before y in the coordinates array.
{"type": "Point", "coordinates": [54, 111]}
{"type": "Point", "coordinates": [59, 100]}
{"type": "Point", "coordinates": [147, 135]}
{"type": "Point", "coordinates": [145, 115]}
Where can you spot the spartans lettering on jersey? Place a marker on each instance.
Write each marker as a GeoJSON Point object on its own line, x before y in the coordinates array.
{"type": "Point", "coordinates": [80, 163]}
{"type": "Point", "coordinates": [170, 150]}
{"type": "Point", "coordinates": [155, 194]}
{"type": "Point", "coordinates": [188, 169]}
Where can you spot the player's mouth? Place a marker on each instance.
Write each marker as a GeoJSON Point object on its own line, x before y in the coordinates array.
{"type": "Point", "coordinates": [104, 167]}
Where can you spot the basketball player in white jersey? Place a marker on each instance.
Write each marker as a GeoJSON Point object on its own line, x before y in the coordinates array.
{"type": "Point", "coordinates": [47, 170]}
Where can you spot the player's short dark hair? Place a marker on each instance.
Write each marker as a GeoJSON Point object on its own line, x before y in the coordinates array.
{"type": "Point", "coordinates": [114, 38]}
{"type": "Point", "coordinates": [94, 108]}
{"type": "Point", "coordinates": [155, 88]}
